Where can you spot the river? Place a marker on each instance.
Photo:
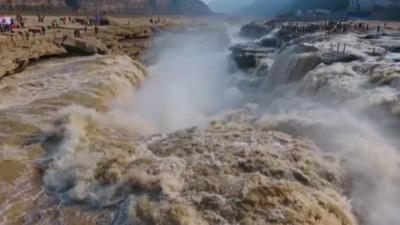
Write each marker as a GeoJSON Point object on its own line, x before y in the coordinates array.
{"type": "Point", "coordinates": [192, 140]}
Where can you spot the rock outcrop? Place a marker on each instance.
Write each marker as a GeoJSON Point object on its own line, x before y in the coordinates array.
{"type": "Point", "coordinates": [34, 4]}
{"type": "Point", "coordinates": [18, 52]}
{"type": "Point", "coordinates": [255, 30]}
{"type": "Point", "coordinates": [20, 48]}
{"type": "Point", "coordinates": [81, 46]}
{"type": "Point", "coordinates": [190, 7]}
{"type": "Point", "coordinates": [247, 55]}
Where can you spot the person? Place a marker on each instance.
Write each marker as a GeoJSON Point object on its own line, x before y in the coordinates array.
{"type": "Point", "coordinates": [378, 29]}
{"type": "Point", "coordinates": [96, 30]}
{"type": "Point", "coordinates": [19, 18]}
{"type": "Point", "coordinates": [5, 24]}
{"type": "Point", "coordinates": [77, 33]}
{"type": "Point", "coordinates": [27, 35]}
{"type": "Point", "coordinates": [54, 23]}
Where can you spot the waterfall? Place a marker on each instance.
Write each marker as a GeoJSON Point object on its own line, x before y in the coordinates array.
{"type": "Point", "coordinates": [290, 65]}
{"type": "Point", "coordinates": [272, 33]}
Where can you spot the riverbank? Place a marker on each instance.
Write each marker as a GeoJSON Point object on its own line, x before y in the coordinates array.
{"type": "Point", "coordinates": [39, 89]}
{"type": "Point", "coordinates": [124, 36]}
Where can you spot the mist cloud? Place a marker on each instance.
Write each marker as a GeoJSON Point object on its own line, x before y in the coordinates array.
{"type": "Point", "coordinates": [186, 87]}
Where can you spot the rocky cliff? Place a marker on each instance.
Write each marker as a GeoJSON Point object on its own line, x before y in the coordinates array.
{"type": "Point", "coordinates": [35, 4]}
{"type": "Point", "coordinates": [187, 7]}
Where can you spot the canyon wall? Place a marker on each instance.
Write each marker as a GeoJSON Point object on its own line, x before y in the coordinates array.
{"type": "Point", "coordinates": [32, 4]}
{"type": "Point", "coordinates": [187, 7]}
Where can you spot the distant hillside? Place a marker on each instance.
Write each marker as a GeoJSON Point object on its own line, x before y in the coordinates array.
{"type": "Point", "coordinates": [266, 8]}
{"type": "Point", "coordinates": [333, 5]}
{"type": "Point", "coordinates": [228, 6]}
{"type": "Point", "coordinates": [271, 8]}
{"type": "Point", "coordinates": [379, 9]}
{"type": "Point", "coordinates": [186, 7]}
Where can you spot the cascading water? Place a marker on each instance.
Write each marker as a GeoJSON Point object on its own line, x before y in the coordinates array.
{"type": "Point", "coordinates": [188, 147]}
{"type": "Point", "coordinates": [333, 105]}
{"type": "Point", "coordinates": [190, 82]}
{"type": "Point", "coordinates": [292, 64]}
{"type": "Point", "coordinates": [272, 33]}
{"type": "Point", "coordinates": [30, 100]}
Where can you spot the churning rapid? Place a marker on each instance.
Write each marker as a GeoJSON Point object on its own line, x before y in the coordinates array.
{"type": "Point", "coordinates": [307, 136]}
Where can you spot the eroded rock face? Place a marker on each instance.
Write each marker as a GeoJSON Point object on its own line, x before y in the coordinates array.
{"type": "Point", "coordinates": [229, 173]}
{"type": "Point", "coordinates": [19, 53]}
{"type": "Point", "coordinates": [255, 30]}
{"type": "Point", "coordinates": [118, 6]}
{"type": "Point", "coordinates": [81, 46]}
{"type": "Point", "coordinates": [247, 55]}
{"type": "Point", "coordinates": [35, 4]}
{"type": "Point", "coordinates": [270, 42]}
{"type": "Point", "coordinates": [335, 57]}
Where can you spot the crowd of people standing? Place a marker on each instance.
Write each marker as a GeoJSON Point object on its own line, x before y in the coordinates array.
{"type": "Point", "coordinates": [156, 20]}
{"type": "Point", "coordinates": [6, 24]}
{"type": "Point", "coordinates": [331, 27]}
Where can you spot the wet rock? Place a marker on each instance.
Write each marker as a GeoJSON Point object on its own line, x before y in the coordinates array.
{"type": "Point", "coordinates": [255, 30]}
{"type": "Point", "coordinates": [371, 36]}
{"type": "Point", "coordinates": [395, 49]}
{"type": "Point", "coordinates": [247, 55]}
{"type": "Point", "coordinates": [334, 57]}
{"type": "Point", "coordinates": [301, 48]}
{"type": "Point", "coordinates": [245, 61]}
{"type": "Point", "coordinates": [18, 58]}
{"type": "Point", "coordinates": [286, 35]}
{"type": "Point", "coordinates": [270, 42]}
{"type": "Point", "coordinates": [81, 46]}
